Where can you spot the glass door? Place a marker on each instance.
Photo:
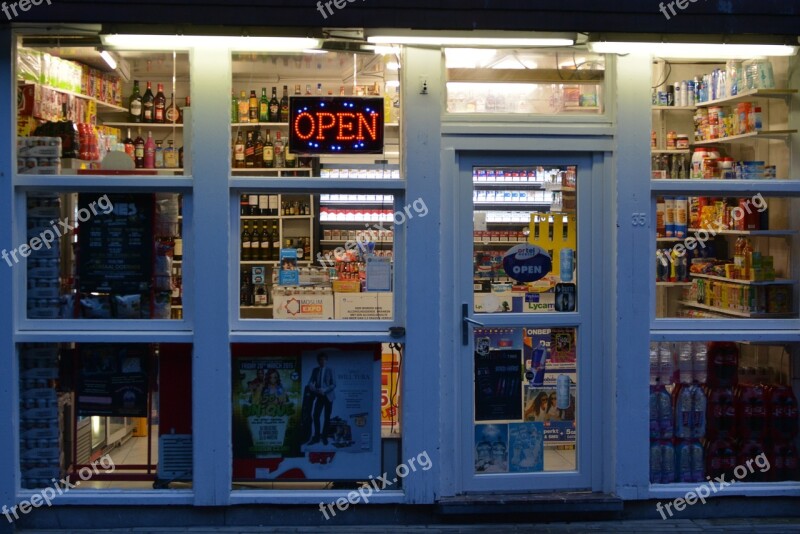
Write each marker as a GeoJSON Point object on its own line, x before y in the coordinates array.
{"type": "Point", "coordinates": [527, 330]}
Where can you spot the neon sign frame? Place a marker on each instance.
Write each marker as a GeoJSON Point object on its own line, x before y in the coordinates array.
{"type": "Point", "coordinates": [336, 125]}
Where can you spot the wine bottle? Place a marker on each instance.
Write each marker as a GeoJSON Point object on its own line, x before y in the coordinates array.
{"type": "Point", "coordinates": [285, 105]}
{"type": "Point", "coordinates": [246, 250]}
{"type": "Point", "coordinates": [135, 104]}
{"type": "Point", "coordinates": [263, 106]}
{"type": "Point", "coordinates": [138, 143]}
{"type": "Point", "coordinates": [160, 104]}
{"type": "Point", "coordinates": [274, 107]}
{"type": "Point", "coordinates": [148, 104]}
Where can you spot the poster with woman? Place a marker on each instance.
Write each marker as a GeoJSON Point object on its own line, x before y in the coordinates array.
{"type": "Point", "coordinates": [267, 404]}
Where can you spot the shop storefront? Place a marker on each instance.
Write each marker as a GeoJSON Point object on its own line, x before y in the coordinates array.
{"type": "Point", "coordinates": [291, 268]}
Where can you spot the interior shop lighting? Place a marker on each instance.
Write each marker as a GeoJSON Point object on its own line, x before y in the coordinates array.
{"type": "Point", "coordinates": [691, 50]}
{"type": "Point", "coordinates": [185, 42]}
{"type": "Point", "coordinates": [108, 58]}
{"type": "Point", "coordinates": [472, 38]}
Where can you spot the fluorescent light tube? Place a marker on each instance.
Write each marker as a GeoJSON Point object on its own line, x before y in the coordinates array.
{"type": "Point", "coordinates": [109, 59]}
{"type": "Point", "coordinates": [185, 42]}
{"type": "Point", "coordinates": [692, 50]}
{"type": "Point", "coordinates": [468, 41]}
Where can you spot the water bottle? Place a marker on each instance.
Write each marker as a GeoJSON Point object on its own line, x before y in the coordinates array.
{"type": "Point", "coordinates": [655, 430]}
{"type": "Point", "coordinates": [665, 417]}
{"type": "Point", "coordinates": [685, 362]}
{"type": "Point", "coordinates": [656, 462]}
{"type": "Point", "coordinates": [654, 365]}
{"type": "Point", "coordinates": [700, 363]}
{"type": "Point", "coordinates": [699, 404]}
{"type": "Point", "coordinates": [666, 366]}
{"type": "Point", "coordinates": [667, 463]}
{"type": "Point", "coordinates": [698, 463]}
{"type": "Point", "coordinates": [684, 462]}
{"type": "Point", "coordinates": [683, 413]}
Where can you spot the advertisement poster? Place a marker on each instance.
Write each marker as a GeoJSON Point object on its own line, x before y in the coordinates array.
{"type": "Point", "coordinates": [338, 409]}
{"type": "Point", "coordinates": [113, 380]}
{"type": "Point", "coordinates": [491, 448]}
{"type": "Point", "coordinates": [498, 374]}
{"type": "Point", "coordinates": [526, 447]}
{"type": "Point", "coordinates": [390, 392]}
{"type": "Point", "coordinates": [266, 407]}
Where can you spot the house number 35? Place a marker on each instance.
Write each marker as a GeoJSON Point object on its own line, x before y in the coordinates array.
{"type": "Point", "coordinates": [639, 219]}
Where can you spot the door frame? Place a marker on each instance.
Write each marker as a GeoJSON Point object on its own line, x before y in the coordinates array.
{"type": "Point", "coordinates": [593, 320]}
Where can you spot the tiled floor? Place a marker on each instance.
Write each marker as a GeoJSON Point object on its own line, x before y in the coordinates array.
{"type": "Point", "coordinates": [559, 460]}
{"type": "Point", "coordinates": [132, 452]}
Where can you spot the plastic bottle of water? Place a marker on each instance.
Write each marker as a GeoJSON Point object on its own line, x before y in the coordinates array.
{"type": "Point", "coordinates": [655, 428]}
{"type": "Point", "coordinates": [683, 413]}
{"type": "Point", "coordinates": [697, 461]}
{"type": "Point", "coordinates": [700, 363]}
{"type": "Point", "coordinates": [665, 417]}
{"type": "Point", "coordinates": [655, 462]}
{"type": "Point", "coordinates": [684, 461]}
{"type": "Point", "coordinates": [667, 462]}
{"type": "Point", "coordinates": [699, 404]}
{"type": "Point", "coordinates": [655, 373]}
{"type": "Point", "coordinates": [666, 365]}
{"type": "Point", "coordinates": [685, 361]}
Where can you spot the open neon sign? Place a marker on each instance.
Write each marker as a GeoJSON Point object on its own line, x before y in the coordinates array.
{"type": "Point", "coordinates": [336, 125]}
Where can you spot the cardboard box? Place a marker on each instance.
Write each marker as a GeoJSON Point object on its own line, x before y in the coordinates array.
{"type": "Point", "coordinates": [347, 286]}
{"type": "Point", "coordinates": [302, 306]}
{"type": "Point", "coordinates": [374, 305]}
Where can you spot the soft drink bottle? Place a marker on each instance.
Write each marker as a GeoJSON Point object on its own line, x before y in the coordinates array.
{"type": "Point", "coordinates": [683, 412]}
{"type": "Point", "coordinates": [700, 361]}
{"type": "Point", "coordinates": [723, 362]}
{"type": "Point", "coordinates": [655, 462]}
{"type": "Point", "coordinates": [685, 362]}
{"type": "Point", "coordinates": [666, 364]}
{"type": "Point", "coordinates": [683, 456]}
{"type": "Point", "coordinates": [751, 413]}
{"type": "Point", "coordinates": [654, 365]}
{"type": "Point", "coordinates": [655, 431]}
{"type": "Point", "coordinates": [665, 417]}
{"type": "Point", "coordinates": [782, 413]}
{"type": "Point", "coordinates": [699, 403]}
{"type": "Point", "coordinates": [720, 457]}
{"type": "Point", "coordinates": [539, 360]}
{"type": "Point", "coordinates": [562, 392]}
{"type": "Point", "coordinates": [721, 420]}
{"type": "Point", "coordinates": [698, 461]}
{"type": "Point", "coordinates": [748, 450]}
{"type": "Point", "coordinates": [667, 462]}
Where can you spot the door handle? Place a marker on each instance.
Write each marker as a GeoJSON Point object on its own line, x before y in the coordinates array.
{"type": "Point", "coordinates": [466, 320]}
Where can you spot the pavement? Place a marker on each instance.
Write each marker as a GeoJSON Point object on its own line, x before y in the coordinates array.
{"type": "Point", "coordinates": [752, 525]}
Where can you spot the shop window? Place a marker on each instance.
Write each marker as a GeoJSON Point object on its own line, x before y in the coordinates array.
{"type": "Point", "coordinates": [305, 416]}
{"type": "Point", "coordinates": [525, 239]}
{"type": "Point", "coordinates": [723, 408]}
{"type": "Point", "coordinates": [102, 255]}
{"type": "Point", "coordinates": [105, 415]}
{"type": "Point", "coordinates": [524, 82]}
{"type": "Point", "coordinates": [322, 256]}
{"type": "Point", "coordinates": [525, 400]}
{"type": "Point", "coordinates": [79, 115]}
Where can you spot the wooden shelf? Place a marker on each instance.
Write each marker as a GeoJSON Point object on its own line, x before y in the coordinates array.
{"type": "Point", "coordinates": [753, 233]}
{"type": "Point", "coordinates": [101, 106]}
{"type": "Point", "coordinates": [763, 134]}
{"type": "Point", "coordinates": [736, 313]}
{"type": "Point", "coordinates": [777, 282]}
{"type": "Point", "coordinates": [753, 93]}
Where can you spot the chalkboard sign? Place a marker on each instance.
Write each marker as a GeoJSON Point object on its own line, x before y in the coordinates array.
{"type": "Point", "coordinates": [115, 249]}
{"type": "Point", "coordinates": [113, 380]}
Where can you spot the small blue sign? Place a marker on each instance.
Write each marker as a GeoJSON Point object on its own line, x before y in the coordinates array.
{"type": "Point", "coordinates": [527, 263]}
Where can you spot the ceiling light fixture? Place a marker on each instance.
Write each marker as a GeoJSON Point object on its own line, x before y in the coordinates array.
{"type": "Point", "coordinates": [186, 42]}
{"type": "Point", "coordinates": [472, 38]}
{"type": "Point", "coordinates": [109, 59]}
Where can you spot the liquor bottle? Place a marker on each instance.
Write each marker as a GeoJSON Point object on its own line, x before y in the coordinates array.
{"type": "Point", "coordinates": [276, 242]}
{"type": "Point", "coordinates": [253, 106]}
{"type": "Point", "coordinates": [246, 249]}
{"type": "Point", "coordinates": [319, 89]}
{"type": "Point", "coordinates": [258, 157]}
{"type": "Point", "coordinates": [245, 292]}
{"type": "Point", "coordinates": [238, 152]}
{"type": "Point", "coordinates": [291, 158]}
{"type": "Point", "coordinates": [138, 157]}
{"type": "Point", "coordinates": [148, 103]}
{"type": "Point", "coordinates": [159, 155]}
{"type": "Point", "coordinates": [263, 205]}
{"type": "Point", "coordinates": [244, 107]}
{"type": "Point", "coordinates": [263, 106]}
{"type": "Point", "coordinates": [280, 155]}
{"type": "Point", "coordinates": [249, 151]}
{"type": "Point", "coordinates": [160, 104]}
{"type": "Point", "coordinates": [180, 157]}
{"type": "Point", "coordinates": [297, 90]}
{"type": "Point", "coordinates": [172, 114]}
{"type": "Point", "coordinates": [244, 206]}
{"type": "Point", "coordinates": [171, 158]}
{"type": "Point", "coordinates": [261, 296]}
{"type": "Point", "coordinates": [267, 240]}
{"type": "Point", "coordinates": [130, 147]}
{"type": "Point", "coordinates": [255, 243]}
{"type": "Point", "coordinates": [308, 89]}
{"type": "Point", "coordinates": [150, 152]}
{"type": "Point", "coordinates": [269, 153]}
{"type": "Point", "coordinates": [274, 107]}
{"type": "Point", "coordinates": [285, 105]}
{"type": "Point", "coordinates": [135, 104]}
{"type": "Point", "coordinates": [273, 205]}
{"type": "Point", "coordinates": [252, 201]}
{"type": "Point", "coordinates": [234, 108]}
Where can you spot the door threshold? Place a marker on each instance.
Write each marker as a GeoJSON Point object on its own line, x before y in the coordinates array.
{"type": "Point", "coordinates": [511, 503]}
